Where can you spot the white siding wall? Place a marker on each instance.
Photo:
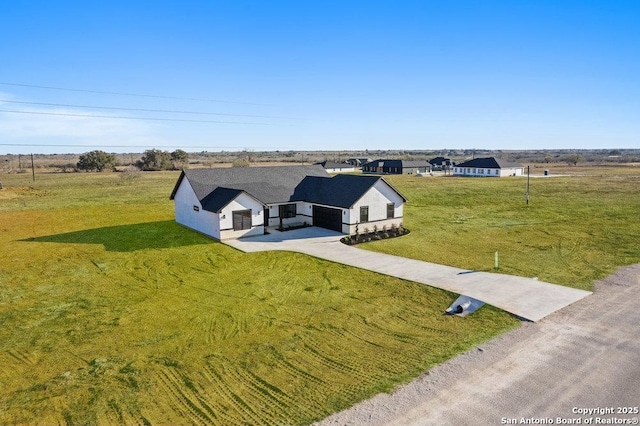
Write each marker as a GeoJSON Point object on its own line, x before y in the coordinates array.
{"type": "Point", "coordinates": [346, 169]}
{"type": "Point", "coordinates": [376, 199]}
{"type": "Point", "coordinates": [305, 212]}
{"type": "Point", "coordinates": [202, 221]}
{"type": "Point", "coordinates": [272, 215]}
{"type": "Point", "coordinates": [471, 171]}
{"type": "Point", "coordinates": [242, 202]}
{"type": "Point", "coordinates": [512, 171]}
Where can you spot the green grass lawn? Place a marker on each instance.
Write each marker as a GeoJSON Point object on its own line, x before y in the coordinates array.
{"type": "Point", "coordinates": [112, 313]}
{"type": "Point", "coordinates": [574, 231]}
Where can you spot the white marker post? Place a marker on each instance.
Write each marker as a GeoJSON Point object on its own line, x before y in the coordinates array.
{"type": "Point", "coordinates": [527, 194]}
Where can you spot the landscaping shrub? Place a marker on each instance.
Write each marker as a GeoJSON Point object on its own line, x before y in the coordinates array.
{"type": "Point", "coordinates": [376, 235]}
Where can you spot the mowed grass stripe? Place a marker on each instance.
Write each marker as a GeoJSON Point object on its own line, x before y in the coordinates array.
{"type": "Point", "coordinates": [113, 313]}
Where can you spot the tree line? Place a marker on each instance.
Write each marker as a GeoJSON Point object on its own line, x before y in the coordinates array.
{"type": "Point", "coordinates": [152, 159]}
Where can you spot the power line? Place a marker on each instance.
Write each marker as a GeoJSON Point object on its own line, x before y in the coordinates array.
{"type": "Point", "coordinates": [140, 95]}
{"type": "Point", "coordinates": [137, 109]}
{"type": "Point", "coordinates": [137, 146]}
{"type": "Point", "coordinates": [132, 118]}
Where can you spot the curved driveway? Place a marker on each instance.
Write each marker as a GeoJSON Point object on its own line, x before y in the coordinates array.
{"type": "Point", "coordinates": [525, 297]}
{"type": "Point", "coordinates": [580, 365]}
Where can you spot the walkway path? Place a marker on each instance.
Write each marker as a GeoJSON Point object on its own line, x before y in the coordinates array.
{"type": "Point", "coordinates": [525, 297]}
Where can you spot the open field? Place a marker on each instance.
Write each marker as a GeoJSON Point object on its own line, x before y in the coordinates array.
{"type": "Point", "coordinates": [112, 313]}
{"type": "Point", "coordinates": [575, 230]}
{"type": "Point", "coordinates": [556, 160]}
{"type": "Point", "coordinates": [585, 355]}
{"type": "Point", "coordinates": [585, 169]}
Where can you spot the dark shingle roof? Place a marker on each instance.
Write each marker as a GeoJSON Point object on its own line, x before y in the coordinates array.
{"type": "Point", "coordinates": [332, 165]}
{"type": "Point", "coordinates": [439, 160]}
{"type": "Point", "coordinates": [489, 163]}
{"type": "Point", "coordinates": [415, 163]}
{"type": "Point", "coordinates": [398, 163]}
{"type": "Point", "coordinates": [218, 198]}
{"type": "Point", "coordinates": [266, 184]}
{"type": "Point", "coordinates": [215, 188]}
{"type": "Point", "coordinates": [339, 191]}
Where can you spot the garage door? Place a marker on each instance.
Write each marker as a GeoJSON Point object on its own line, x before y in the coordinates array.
{"type": "Point", "coordinates": [326, 217]}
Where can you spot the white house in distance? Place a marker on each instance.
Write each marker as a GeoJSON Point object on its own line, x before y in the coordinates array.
{"type": "Point", "coordinates": [488, 167]}
{"type": "Point", "coordinates": [332, 167]}
{"type": "Point", "coordinates": [241, 202]}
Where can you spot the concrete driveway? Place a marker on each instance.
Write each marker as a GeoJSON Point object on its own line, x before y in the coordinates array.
{"type": "Point", "coordinates": [527, 298]}
{"type": "Point", "coordinates": [576, 367]}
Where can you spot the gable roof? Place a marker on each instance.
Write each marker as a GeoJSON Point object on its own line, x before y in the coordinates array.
{"type": "Point", "coordinates": [398, 163]}
{"type": "Point", "coordinates": [339, 191]}
{"type": "Point", "coordinates": [357, 161]}
{"type": "Point", "coordinates": [439, 160]}
{"type": "Point", "coordinates": [218, 198]}
{"type": "Point", "coordinates": [215, 188]}
{"type": "Point", "coordinates": [415, 163]}
{"type": "Point", "coordinates": [489, 163]}
{"type": "Point", "coordinates": [266, 184]}
{"type": "Point", "coordinates": [332, 165]}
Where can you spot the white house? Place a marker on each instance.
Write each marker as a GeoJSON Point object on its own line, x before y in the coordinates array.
{"type": "Point", "coordinates": [488, 167]}
{"type": "Point", "coordinates": [242, 202]}
{"type": "Point", "coordinates": [332, 167]}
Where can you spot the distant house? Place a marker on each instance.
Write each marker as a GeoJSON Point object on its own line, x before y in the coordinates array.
{"type": "Point", "coordinates": [332, 167]}
{"type": "Point", "coordinates": [488, 167]}
{"type": "Point", "coordinates": [441, 163]}
{"type": "Point", "coordinates": [358, 162]}
{"type": "Point", "coordinates": [242, 202]}
{"type": "Point", "coordinates": [397, 167]}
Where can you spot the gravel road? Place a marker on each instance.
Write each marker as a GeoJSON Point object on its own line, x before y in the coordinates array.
{"type": "Point", "coordinates": [583, 357]}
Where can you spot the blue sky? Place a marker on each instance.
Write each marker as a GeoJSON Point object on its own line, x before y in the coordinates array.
{"type": "Point", "coordinates": [330, 75]}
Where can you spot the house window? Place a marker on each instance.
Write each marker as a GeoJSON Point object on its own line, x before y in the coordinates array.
{"type": "Point", "coordinates": [390, 210]}
{"type": "Point", "coordinates": [288, 211]}
{"type": "Point", "coordinates": [241, 220]}
{"type": "Point", "coordinates": [364, 214]}
{"type": "Point", "coordinates": [497, 171]}
{"type": "Point", "coordinates": [196, 208]}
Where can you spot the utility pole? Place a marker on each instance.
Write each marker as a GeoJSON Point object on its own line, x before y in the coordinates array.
{"type": "Point", "coordinates": [33, 169]}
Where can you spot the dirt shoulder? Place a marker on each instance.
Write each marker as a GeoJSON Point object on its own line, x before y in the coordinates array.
{"type": "Point", "coordinates": [586, 355]}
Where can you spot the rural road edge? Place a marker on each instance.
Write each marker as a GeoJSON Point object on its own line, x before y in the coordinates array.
{"type": "Point", "coordinates": [583, 357]}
